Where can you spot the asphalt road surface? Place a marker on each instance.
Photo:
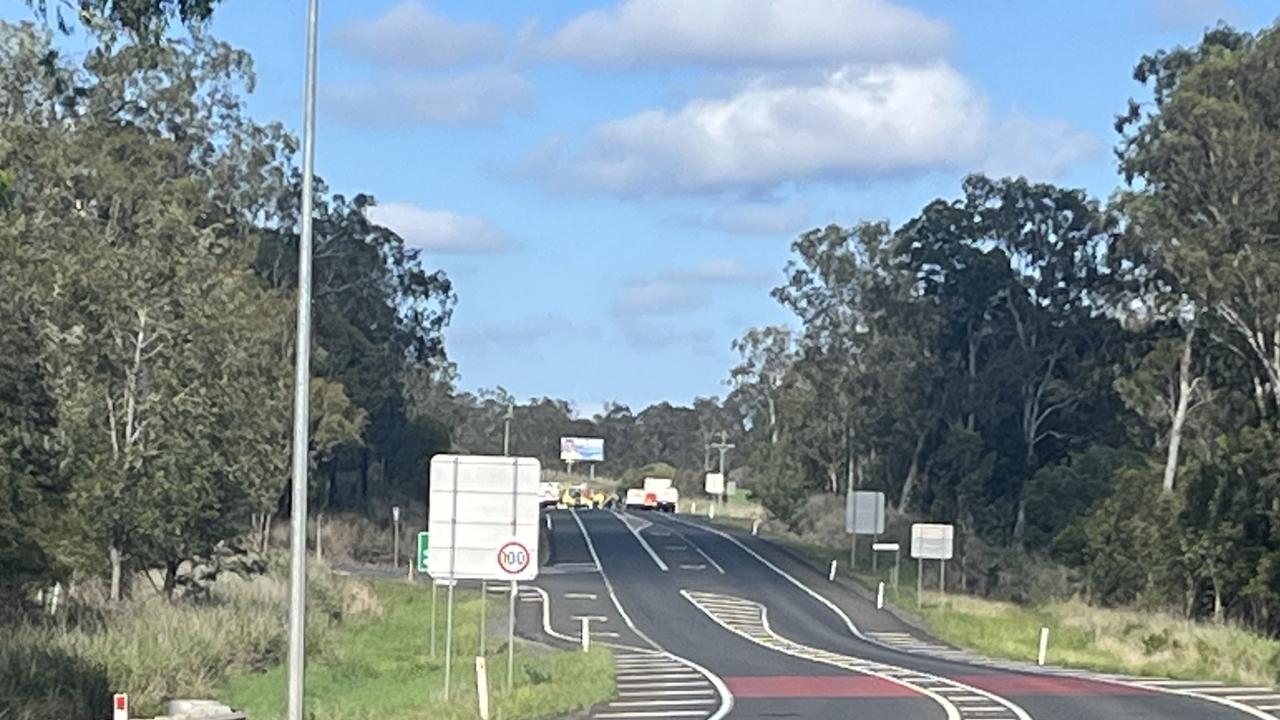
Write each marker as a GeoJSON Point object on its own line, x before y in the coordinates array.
{"type": "Point", "coordinates": [712, 624]}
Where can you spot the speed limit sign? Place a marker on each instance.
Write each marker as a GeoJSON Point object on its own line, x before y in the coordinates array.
{"type": "Point", "coordinates": [513, 558]}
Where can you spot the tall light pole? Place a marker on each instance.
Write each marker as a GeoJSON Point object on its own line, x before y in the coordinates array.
{"type": "Point", "coordinates": [506, 428]}
{"type": "Point", "coordinates": [302, 390]}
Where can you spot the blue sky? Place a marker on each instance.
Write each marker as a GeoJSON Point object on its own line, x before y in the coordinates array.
{"type": "Point", "coordinates": [613, 187]}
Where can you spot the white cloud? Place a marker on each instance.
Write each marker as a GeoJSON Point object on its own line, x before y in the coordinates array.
{"type": "Point", "coordinates": [481, 97]}
{"type": "Point", "coordinates": [681, 290]}
{"type": "Point", "coordinates": [1039, 149]}
{"type": "Point", "coordinates": [720, 271]}
{"type": "Point", "coordinates": [863, 122]}
{"type": "Point", "coordinates": [657, 296]}
{"type": "Point", "coordinates": [441, 231]}
{"type": "Point", "coordinates": [410, 35]}
{"type": "Point", "coordinates": [747, 32]}
{"type": "Point", "coordinates": [854, 122]}
{"type": "Point", "coordinates": [523, 333]}
{"type": "Point", "coordinates": [1191, 14]}
{"type": "Point", "coordinates": [758, 218]}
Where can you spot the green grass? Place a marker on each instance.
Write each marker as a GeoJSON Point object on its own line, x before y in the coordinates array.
{"type": "Point", "coordinates": [1104, 639]}
{"type": "Point", "coordinates": [381, 669]}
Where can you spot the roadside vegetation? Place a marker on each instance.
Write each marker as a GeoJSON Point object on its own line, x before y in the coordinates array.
{"type": "Point", "coordinates": [1132, 640]}
{"type": "Point", "coordinates": [382, 668]}
{"type": "Point", "coordinates": [67, 665]}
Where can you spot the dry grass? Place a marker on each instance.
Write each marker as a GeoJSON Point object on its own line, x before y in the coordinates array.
{"type": "Point", "coordinates": [155, 649]}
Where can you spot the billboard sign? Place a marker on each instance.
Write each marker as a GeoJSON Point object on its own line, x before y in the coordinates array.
{"type": "Point", "coordinates": [864, 512]}
{"type": "Point", "coordinates": [579, 449]}
{"type": "Point", "coordinates": [931, 541]}
{"type": "Point", "coordinates": [715, 484]}
{"type": "Point", "coordinates": [483, 521]}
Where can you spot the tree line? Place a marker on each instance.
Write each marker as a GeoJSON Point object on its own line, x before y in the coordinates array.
{"type": "Point", "coordinates": [148, 254]}
{"type": "Point", "coordinates": [1091, 384]}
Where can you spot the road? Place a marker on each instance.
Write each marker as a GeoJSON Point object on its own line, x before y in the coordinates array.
{"type": "Point", "coordinates": [714, 624]}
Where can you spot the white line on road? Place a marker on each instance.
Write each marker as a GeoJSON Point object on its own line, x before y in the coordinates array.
{"type": "Point", "coordinates": [726, 697]}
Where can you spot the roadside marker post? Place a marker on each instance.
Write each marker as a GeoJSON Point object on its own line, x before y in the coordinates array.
{"type": "Point", "coordinates": [711, 511]}
{"type": "Point", "coordinates": [482, 688]}
{"type": "Point", "coordinates": [1044, 645]}
{"type": "Point", "coordinates": [120, 706]}
{"type": "Point", "coordinates": [880, 596]}
{"type": "Point", "coordinates": [831, 575]}
{"type": "Point", "coordinates": [395, 537]}
{"type": "Point", "coordinates": [586, 633]}
{"type": "Point", "coordinates": [755, 527]}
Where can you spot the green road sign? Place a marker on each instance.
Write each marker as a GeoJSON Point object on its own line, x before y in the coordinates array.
{"type": "Point", "coordinates": [423, 544]}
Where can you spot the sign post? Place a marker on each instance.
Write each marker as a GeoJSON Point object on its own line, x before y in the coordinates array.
{"type": "Point", "coordinates": [863, 515]}
{"type": "Point", "coordinates": [931, 541]}
{"type": "Point", "coordinates": [484, 520]}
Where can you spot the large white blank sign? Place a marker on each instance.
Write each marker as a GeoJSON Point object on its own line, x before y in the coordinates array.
{"type": "Point", "coordinates": [932, 541]}
{"type": "Point", "coordinates": [483, 518]}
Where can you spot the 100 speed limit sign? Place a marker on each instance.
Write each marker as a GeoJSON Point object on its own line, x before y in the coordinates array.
{"type": "Point", "coordinates": [513, 558]}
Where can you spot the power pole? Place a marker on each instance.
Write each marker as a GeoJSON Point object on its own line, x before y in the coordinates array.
{"type": "Point", "coordinates": [723, 446]}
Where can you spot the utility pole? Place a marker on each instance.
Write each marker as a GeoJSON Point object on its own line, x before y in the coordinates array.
{"type": "Point", "coordinates": [723, 446]}
{"type": "Point", "coordinates": [302, 391]}
{"type": "Point", "coordinates": [506, 428]}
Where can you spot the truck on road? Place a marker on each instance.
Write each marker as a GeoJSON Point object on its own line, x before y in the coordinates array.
{"type": "Point", "coordinates": [657, 494]}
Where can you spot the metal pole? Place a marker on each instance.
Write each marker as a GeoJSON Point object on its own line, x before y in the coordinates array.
{"type": "Point", "coordinates": [302, 391]}
{"type": "Point", "coordinates": [395, 543]}
{"type": "Point", "coordinates": [511, 636]}
{"type": "Point", "coordinates": [942, 576]}
{"type": "Point", "coordinates": [853, 552]}
{"type": "Point", "coordinates": [919, 583]}
{"type": "Point", "coordinates": [506, 429]}
{"type": "Point", "coordinates": [874, 539]}
{"type": "Point", "coordinates": [897, 557]}
{"type": "Point", "coordinates": [448, 639]}
{"type": "Point", "coordinates": [434, 591]}
{"type": "Point", "coordinates": [484, 614]}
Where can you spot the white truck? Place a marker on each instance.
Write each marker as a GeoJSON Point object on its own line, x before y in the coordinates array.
{"type": "Point", "coordinates": [657, 494]}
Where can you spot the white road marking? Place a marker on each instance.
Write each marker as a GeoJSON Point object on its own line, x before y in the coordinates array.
{"type": "Point", "coordinates": [726, 697]}
{"type": "Point", "coordinates": [939, 689]}
{"type": "Point", "coordinates": [579, 596]}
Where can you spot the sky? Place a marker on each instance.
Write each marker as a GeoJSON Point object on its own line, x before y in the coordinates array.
{"type": "Point", "coordinates": [613, 187]}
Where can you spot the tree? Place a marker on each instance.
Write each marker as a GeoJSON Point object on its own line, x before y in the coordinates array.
{"type": "Point", "coordinates": [147, 19]}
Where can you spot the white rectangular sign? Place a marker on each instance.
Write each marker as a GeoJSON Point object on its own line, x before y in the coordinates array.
{"type": "Point", "coordinates": [864, 512]}
{"type": "Point", "coordinates": [932, 541]}
{"type": "Point", "coordinates": [579, 449]}
{"type": "Point", "coordinates": [715, 484]}
{"type": "Point", "coordinates": [483, 518]}
{"type": "Point", "coordinates": [731, 488]}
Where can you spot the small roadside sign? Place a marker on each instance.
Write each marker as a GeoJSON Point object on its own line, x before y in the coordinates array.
{"type": "Point", "coordinates": [864, 513]}
{"type": "Point", "coordinates": [120, 707]}
{"type": "Point", "coordinates": [932, 541]}
{"type": "Point", "coordinates": [424, 544]}
{"type": "Point", "coordinates": [715, 484]}
{"type": "Point", "coordinates": [731, 488]}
